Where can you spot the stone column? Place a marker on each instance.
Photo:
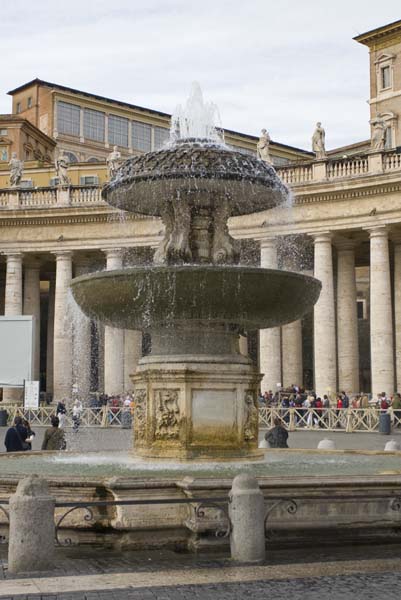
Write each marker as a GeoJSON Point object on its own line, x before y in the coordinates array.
{"type": "Point", "coordinates": [397, 309]}
{"type": "Point", "coordinates": [291, 339]}
{"type": "Point", "coordinates": [13, 307]}
{"type": "Point", "coordinates": [113, 340]}
{"type": "Point", "coordinates": [324, 338]}
{"type": "Point", "coordinates": [132, 354]}
{"type": "Point", "coordinates": [32, 307]}
{"type": "Point", "coordinates": [81, 364]}
{"type": "Point", "coordinates": [269, 339]}
{"type": "Point", "coordinates": [50, 336]}
{"type": "Point", "coordinates": [62, 348]}
{"type": "Point", "coordinates": [347, 318]}
{"type": "Point", "coordinates": [381, 319]}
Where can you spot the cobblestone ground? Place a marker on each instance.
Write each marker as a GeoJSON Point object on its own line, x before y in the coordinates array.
{"type": "Point", "coordinates": [327, 574]}
{"type": "Point", "coordinates": [116, 438]}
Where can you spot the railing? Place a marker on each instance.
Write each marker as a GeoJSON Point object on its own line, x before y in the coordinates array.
{"type": "Point", "coordinates": [329, 419]}
{"type": "Point", "coordinates": [295, 419]}
{"type": "Point", "coordinates": [391, 162]}
{"type": "Point", "coordinates": [37, 198]}
{"type": "Point", "coordinates": [86, 195]}
{"type": "Point", "coordinates": [298, 174]}
{"type": "Point", "coordinates": [347, 167]}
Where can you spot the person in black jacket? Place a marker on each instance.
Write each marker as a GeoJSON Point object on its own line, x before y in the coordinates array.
{"type": "Point", "coordinates": [277, 437]}
{"type": "Point", "coordinates": [16, 436]}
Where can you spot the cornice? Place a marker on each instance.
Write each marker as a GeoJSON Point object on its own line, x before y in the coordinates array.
{"type": "Point", "coordinates": [338, 195]}
{"type": "Point", "coordinates": [64, 219]}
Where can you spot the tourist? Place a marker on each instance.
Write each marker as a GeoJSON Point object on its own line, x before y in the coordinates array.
{"type": "Point", "coordinates": [345, 400]}
{"type": "Point", "coordinates": [16, 436]}
{"type": "Point", "coordinates": [61, 412]}
{"type": "Point", "coordinates": [278, 435]}
{"type": "Point", "coordinates": [384, 403]}
{"type": "Point", "coordinates": [318, 412]}
{"type": "Point", "coordinates": [76, 414]}
{"type": "Point", "coordinates": [396, 408]}
{"type": "Point", "coordinates": [54, 438]}
{"type": "Point", "coordinates": [31, 434]}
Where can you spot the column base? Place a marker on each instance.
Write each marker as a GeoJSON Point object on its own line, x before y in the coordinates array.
{"type": "Point", "coordinates": [196, 409]}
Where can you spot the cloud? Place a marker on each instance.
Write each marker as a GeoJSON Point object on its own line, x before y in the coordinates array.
{"type": "Point", "coordinates": [281, 65]}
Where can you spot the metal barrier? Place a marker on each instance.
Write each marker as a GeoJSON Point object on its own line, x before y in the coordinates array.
{"type": "Point", "coordinates": [329, 419]}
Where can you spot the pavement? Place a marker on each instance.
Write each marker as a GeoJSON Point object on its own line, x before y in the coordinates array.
{"type": "Point", "coordinates": [314, 574]}
{"type": "Point", "coordinates": [318, 573]}
{"type": "Point", "coordinates": [116, 438]}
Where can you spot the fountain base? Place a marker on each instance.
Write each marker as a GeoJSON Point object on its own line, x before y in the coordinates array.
{"type": "Point", "coordinates": [196, 407]}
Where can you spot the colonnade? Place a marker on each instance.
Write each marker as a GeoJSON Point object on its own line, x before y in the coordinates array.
{"type": "Point", "coordinates": [335, 320]}
{"type": "Point", "coordinates": [69, 332]}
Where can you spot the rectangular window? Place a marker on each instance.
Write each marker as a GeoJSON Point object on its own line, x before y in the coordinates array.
{"type": "Point", "coordinates": [89, 180]}
{"type": "Point", "coordinates": [18, 107]}
{"type": "Point", "coordinates": [118, 131]}
{"type": "Point", "coordinates": [93, 125]}
{"type": "Point", "coordinates": [141, 136]}
{"type": "Point", "coordinates": [29, 102]}
{"type": "Point", "coordinates": [68, 116]}
{"type": "Point", "coordinates": [385, 77]}
{"type": "Point", "coordinates": [161, 135]}
{"type": "Point", "coordinates": [3, 131]}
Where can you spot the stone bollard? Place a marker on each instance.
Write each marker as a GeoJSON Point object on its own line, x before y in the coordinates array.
{"type": "Point", "coordinates": [247, 516]}
{"type": "Point", "coordinates": [326, 445]}
{"type": "Point", "coordinates": [392, 446]}
{"type": "Point", "coordinates": [31, 536]}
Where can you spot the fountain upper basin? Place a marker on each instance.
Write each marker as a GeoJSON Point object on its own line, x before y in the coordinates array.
{"type": "Point", "coordinates": [153, 297]}
{"type": "Point", "coordinates": [199, 172]}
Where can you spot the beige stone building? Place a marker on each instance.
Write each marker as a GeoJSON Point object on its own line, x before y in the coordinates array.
{"type": "Point", "coordinates": [344, 226]}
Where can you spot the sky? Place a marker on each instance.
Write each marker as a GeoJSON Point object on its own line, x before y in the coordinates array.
{"type": "Point", "coordinates": [282, 65]}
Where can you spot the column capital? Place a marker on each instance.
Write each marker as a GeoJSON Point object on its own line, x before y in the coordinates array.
{"type": "Point", "coordinates": [268, 242]}
{"type": "Point", "coordinates": [345, 244]}
{"type": "Point", "coordinates": [323, 237]}
{"type": "Point", "coordinates": [113, 252]}
{"type": "Point", "coordinates": [378, 231]}
{"type": "Point", "coordinates": [10, 254]}
{"type": "Point", "coordinates": [62, 254]}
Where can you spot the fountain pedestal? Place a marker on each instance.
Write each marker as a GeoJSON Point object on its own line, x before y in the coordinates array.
{"type": "Point", "coordinates": [196, 407]}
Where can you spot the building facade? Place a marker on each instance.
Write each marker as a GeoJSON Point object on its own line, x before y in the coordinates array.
{"type": "Point", "coordinates": [344, 227]}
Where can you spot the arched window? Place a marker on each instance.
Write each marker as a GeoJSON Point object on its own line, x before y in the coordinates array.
{"type": "Point", "coordinates": [94, 159]}
{"type": "Point", "coordinates": [71, 157]}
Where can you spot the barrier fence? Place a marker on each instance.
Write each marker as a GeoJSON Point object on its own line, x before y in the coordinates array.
{"type": "Point", "coordinates": [330, 419]}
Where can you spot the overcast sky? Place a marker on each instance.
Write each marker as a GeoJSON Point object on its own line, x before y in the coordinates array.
{"type": "Point", "coordinates": [281, 64]}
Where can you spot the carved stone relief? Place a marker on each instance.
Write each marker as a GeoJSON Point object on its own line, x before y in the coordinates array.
{"type": "Point", "coordinates": [140, 414]}
{"type": "Point", "coordinates": [168, 415]}
{"type": "Point", "coordinates": [251, 418]}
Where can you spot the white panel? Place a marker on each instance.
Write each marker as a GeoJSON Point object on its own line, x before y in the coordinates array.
{"type": "Point", "coordinates": [16, 350]}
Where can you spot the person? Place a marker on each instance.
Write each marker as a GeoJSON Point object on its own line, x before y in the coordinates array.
{"type": "Point", "coordinates": [62, 169]}
{"type": "Point", "coordinates": [76, 414]}
{"type": "Point", "coordinates": [262, 147]}
{"type": "Point", "coordinates": [345, 399]}
{"type": "Point", "coordinates": [31, 434]}
{"type": "Point", "coordinates": [277, 436]}
{"type": "Point", "coordinates": [16, 436]}
{"type": "Point", "coordinates": [318, 142]}
{"type": "Point", "coordinates": [54, 438]}
{"type": "Point", "coordinates": [61, 412]}
{"type": "Point", "coordinates": [384, 404]}
{"type": "Point", "coordinates": [16, 170]}
{"type": "Point", "coordinates": [396, 408]}
{"type": "Point", "coordinates": [113, 162]}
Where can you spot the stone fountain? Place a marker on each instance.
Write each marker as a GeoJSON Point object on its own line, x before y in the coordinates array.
{"type": "Point", "coordinates": [195, 393]}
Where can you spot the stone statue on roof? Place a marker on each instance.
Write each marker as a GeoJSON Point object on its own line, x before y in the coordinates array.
{"type": "Point", "coordinates": [113, 162]}
{"type": "Point", "coordinates": [16, 170]}
{"type": "Point", "coordinates": [62, 164]}
{"type": "Point", "coordinates": [378, 135]}
{"type": "Point", "coordinates": [319, 142]}
{"type": "Point", "coordinates": [262, 147]}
